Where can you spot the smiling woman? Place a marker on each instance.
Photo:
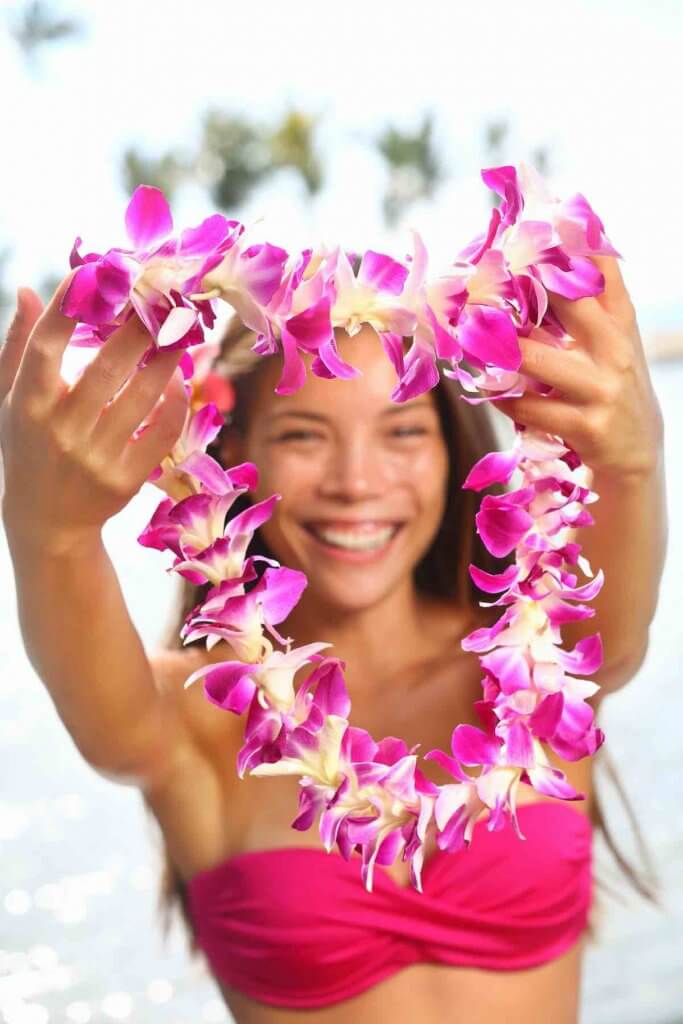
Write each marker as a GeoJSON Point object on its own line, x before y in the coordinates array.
{"type": "Point", "coordinates": [373, 511]}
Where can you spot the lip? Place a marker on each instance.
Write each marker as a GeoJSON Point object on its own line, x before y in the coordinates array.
{"type": "Point", "coordinates": [344, 555]}
{"type": "Point", "coordinates": [355, 523]}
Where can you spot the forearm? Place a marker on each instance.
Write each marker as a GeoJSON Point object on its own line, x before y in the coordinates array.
{"type": "Point", "coordinates": [628, 542]}
{"type": "Point", "coordinates": [82, 643]}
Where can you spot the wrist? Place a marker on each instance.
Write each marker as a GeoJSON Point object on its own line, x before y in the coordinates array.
{"type": "Point", "coordinates": [639, 472]}
{"type": "Point", "coordinates": [26, 542]}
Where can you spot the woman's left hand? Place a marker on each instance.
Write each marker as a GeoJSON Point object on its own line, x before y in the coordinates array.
{"type": "Point", "coordinates": [603, 403]}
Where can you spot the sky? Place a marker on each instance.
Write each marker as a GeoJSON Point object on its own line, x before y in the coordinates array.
{"type": "Point", "coordinates": [597, 83]}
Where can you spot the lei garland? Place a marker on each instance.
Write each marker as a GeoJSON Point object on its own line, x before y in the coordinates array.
{"type": "Point", "coordinates": [372, 796]}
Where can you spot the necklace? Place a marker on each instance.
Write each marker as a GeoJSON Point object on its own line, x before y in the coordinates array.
{"type": "Point", "coordinates": [371, 797]}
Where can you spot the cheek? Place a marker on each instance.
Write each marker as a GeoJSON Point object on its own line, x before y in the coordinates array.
{"type": "Point", "coordinates": [430, 477]}
{"type": "Point", "coordinates": [283, 472]}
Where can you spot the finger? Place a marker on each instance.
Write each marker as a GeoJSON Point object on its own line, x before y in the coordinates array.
{"type": "Point", "coordinates": [39, 371]}
{"type": "Point", "coordinates": [588, 323]}
{"type": "Point", "coordinates": [549, 414]}
{"type": "Point", "coordinates": [566, 370]}
{"type": "Point", "coordinates": [615, 299]}
{"type": "Point", "coordinates": [29, 308]}
{"type": "Point", "coordinates": [104, 376]}
{"type": "Point", "coordinates": [134, 403]}
{"type": "Point", "coordinates": [145, 452]}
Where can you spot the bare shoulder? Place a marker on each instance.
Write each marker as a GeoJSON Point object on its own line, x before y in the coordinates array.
{"type": "Point", "coordinates": [208, 727]}
{"type": "Point", "coordinates": [197, 832]}
{"type": "Point", "coordinates": [451, 620]}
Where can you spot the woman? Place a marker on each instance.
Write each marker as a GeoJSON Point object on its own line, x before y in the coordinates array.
{"type": "Point", "coordinates": [371, 500]}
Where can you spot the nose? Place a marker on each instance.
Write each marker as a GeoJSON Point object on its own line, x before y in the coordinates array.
{"type": "Point", "coordinates": [354, 470]}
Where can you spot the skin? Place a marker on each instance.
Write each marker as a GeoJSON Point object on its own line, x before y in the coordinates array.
{"type": "Point", "coordinates": [340, 452]}
{"type": "Point", "coordinates": [67, 453]}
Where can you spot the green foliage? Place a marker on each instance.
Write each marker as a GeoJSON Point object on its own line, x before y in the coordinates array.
{"type": "Point", "coordinates": [292, 145]}
{"type": "Point", "coordinates": [415, 169]}
{"type": "Point", "coordinates": [37, 25]}
{"type": "Point", "coordinates": [233, 158]}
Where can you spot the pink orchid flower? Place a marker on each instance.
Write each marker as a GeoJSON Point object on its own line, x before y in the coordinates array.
{"type": "Point", "coordinates": [231, 685]}
{"type": "Point", "coordinates": [247, 279]}
{"type": "Point", "coordinates": [189, 526]}
{"type": "Point", "coordinates": [178, 474]}
{"type": "Point", "coordinates": [240, 618]}
{"type": "Point", "coordinates": [225, 558]}
{"type": "Point", "coordinates": [322, 693]}
{"type": "Point", "coordinates": [155, 279]}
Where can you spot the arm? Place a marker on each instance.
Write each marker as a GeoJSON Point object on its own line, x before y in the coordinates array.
{"type": "Point", "coordinates": [71, 460]}
{"type": "Point", "coordinates": [628, 542]}
{"type": "Point", "coordinates": [604, 406]}
{"type": "Point", "coordinates": [80, 639]}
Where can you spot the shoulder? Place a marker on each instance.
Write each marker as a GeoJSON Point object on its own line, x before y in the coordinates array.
{"type": "Point", "coordinates": [208, 727]}
{"type": "Point", "coordinates": [453, 620]}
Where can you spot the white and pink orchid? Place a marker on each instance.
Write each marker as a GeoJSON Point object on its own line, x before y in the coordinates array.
{"type": "Point", "coordinates": [154, 279]}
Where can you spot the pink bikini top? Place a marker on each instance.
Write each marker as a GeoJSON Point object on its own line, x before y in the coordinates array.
{"type": "Point", "coordinates": [295, 927]}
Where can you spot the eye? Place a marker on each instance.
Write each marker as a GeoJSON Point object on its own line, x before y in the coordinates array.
{"type": "Point", "coordinates": [298, 435]}
{"type": "Point", "coordinates": [408, 431]}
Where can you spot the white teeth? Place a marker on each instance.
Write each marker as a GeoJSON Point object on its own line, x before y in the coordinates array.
{"type": "Point", "coordinates": [355, 541]}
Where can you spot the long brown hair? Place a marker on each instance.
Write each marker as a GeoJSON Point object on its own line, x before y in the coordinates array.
{"type": "Point", "coordinates": [469, 434]}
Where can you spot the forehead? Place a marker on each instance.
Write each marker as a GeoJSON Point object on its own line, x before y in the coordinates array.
{"type": "Point", "coordinates": [365, 395]}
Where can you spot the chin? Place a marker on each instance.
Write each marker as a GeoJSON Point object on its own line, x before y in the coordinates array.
{"type": "Point", "coordinates": [346, 596]}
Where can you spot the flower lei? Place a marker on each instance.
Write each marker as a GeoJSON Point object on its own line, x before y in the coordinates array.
{"type": "Point", "coordinates": [372, 796]}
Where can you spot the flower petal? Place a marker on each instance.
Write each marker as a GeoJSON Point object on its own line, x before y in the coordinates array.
{"type": "Point", "coordinates": [148, 217]}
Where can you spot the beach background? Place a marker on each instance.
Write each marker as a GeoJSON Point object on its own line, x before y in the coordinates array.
{"type": "Point", "coordinates": [592, 87]}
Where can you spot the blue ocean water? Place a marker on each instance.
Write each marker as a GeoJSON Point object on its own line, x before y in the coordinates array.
{"type": "Point", "coordinates": [79, 940]}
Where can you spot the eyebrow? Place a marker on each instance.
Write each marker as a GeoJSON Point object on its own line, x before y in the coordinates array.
{"type": "Point", "coordinates": [391, 410]}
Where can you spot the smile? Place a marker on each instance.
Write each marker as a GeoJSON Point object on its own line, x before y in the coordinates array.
{"type": "Point", "coordinates": [362, 536]}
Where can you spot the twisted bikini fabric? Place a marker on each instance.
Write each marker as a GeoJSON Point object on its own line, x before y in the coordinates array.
{"type": "Point", "coordinates": [292, 927]}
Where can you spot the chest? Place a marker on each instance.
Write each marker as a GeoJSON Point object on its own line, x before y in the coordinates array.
{"type": "Point", "coordinates": [423, 713]}
{"type": "Point", "coordinates": [256, 812]}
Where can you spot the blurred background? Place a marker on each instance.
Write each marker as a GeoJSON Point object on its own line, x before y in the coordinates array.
{"type": "Point", "coordinates": [318, 124]}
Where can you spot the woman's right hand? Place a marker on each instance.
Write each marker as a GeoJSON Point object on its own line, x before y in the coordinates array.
{"type": "Point", "coordinates": [70, 462]}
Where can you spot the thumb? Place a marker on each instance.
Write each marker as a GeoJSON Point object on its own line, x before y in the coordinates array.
{"type": "Point", "coordinates": [29, 308]}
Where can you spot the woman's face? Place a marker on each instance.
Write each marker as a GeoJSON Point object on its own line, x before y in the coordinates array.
{"type": "Point", "coordinates": [362, 479]}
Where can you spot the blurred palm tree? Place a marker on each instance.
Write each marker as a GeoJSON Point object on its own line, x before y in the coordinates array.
{"type": "Point", "coordinates": [292, 145]}
{"type": "Point", "coordinates": [415, 169]}
{"type": "Point", "coordinates": [37, 25]}
{"type": "Point", "coordinates": [234, 156]}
